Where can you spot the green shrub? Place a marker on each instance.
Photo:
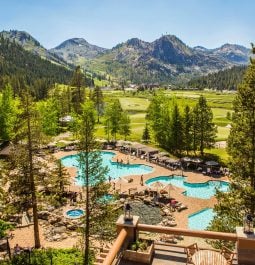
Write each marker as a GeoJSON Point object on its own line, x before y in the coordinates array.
{"type": "Point", "coordinates": [3, 228]}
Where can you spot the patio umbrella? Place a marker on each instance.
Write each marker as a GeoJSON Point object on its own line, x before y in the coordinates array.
{"type": "Point", "coordinates": [157, 185]}
{"type": "Point", "coordinates": [169, 187]}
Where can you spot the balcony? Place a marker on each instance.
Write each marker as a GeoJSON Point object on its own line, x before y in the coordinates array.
{"type": "Point", "coordinates": [167, 253]}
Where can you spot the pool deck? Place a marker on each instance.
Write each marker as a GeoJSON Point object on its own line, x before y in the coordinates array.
{"type": "Point", "coordinates": [122, 184]}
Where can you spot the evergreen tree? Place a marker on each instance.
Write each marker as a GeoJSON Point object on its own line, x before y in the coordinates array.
{"type": "Point", "coordinates": [8, 114]}
{"type": "Point", "coordinates": [240, 199]}
{"type": "Point", "coordinates": [241, 142]}
{"type": "Point", "coordinates": [31, 136]}
{"type": "Point", "coordinates": [97, 97]}
{"type": "Point", "coordinates": [204, 129]}
{"type": "Point", "coordinates": [92, 172]}
{"type": "Point", "coordinates": [49, 116]}
{"type": "Point", "coordinates": [176, 130]}
{"type": "Point", "coordinates": [158, 116]}
{"type": "Point", "coordinates": [187, 129]}
{"type": "Point", "coordinates": [146, 134]}
{"type": "Point", "coordinates": [113, 113]}
{"type": "Point", "coordinates": [125, 125]}
{"type": "Point", "coordinates": [78, 93]}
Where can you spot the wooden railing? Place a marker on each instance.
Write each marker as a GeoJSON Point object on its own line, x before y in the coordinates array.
{"type": "Point", "coordinates": [128, 232]}
{"type": "Point", "coordinates": [116, 247]}
{"type": "Point", "coordinates": [165, 230]}
{"type": "Point", "coordinates": [187, 232]}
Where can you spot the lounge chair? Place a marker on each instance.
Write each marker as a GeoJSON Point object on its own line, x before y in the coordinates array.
{"type": "Point", "coordinates": [228, 255]}
{"type": "Point", "coordinates": [190, 251]}
{"type": "Point", "coordinates": [181, 207]}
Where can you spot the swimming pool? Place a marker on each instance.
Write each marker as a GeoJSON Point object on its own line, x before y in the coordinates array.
{"type": "Point", "coordinates": [75, 213]}
{"type": "Point", "coordinates": [116, 170]}
{"type": "Point", "coordinates": [200, 220]}
{"type": "Point", "coordinates": [198, 190]}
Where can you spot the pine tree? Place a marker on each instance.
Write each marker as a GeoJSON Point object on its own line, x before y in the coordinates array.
{"type": "Point", "coordinates": [49, 116]}
{"type": "Point", "coordinates": [176, 129]}
{"type": "Point", "coordinates": [113, 113]}
{"type": "Point", "coordinates": [241, 142]}
{"type": "Point", "coordinates": [240, 199]}
{"type": "Point", "coordinates": [158, 117]}
{"type": "Point", "coordinates": [97, 97]}
{"type": "Point", "coordinates": [78, 93]}
{"type": "Point", "coordinates": [187, 129]}
{"type": "Point", "coordinates": [205, 130]}
{"type": "Point", "coordinates": [125, 125]}
{"type": "Point", "coordinates": [8, 114]}
{"type": "Point", "coordinates": [146, 134]}
{"type": "Point", "coordinates": [92, 172]}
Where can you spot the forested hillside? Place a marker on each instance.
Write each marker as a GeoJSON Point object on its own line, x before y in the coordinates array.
{"type": "Point", "coordinates": [227, 79]}
{"type": "Point", "coordinates": [21, 67]}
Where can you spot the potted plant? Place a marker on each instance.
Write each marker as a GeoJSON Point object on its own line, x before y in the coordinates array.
{"type": "Point", "coordinates": [140, 251]}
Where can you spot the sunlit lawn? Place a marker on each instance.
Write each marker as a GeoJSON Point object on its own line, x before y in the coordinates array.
{"type": "Point", "coordinates": [134, 104]}
{"type": "Point", "coordinates": [220, 152]}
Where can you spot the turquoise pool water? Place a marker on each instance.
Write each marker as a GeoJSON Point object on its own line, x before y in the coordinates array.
{"type": "Point", "coordinates": [75, 213]}
{"type": "Point", "coordinates": [198, 190]}
{"type": "Point", "coordinates": [116, 170]}
{"type": "Point", "coordinates": [200, 220]}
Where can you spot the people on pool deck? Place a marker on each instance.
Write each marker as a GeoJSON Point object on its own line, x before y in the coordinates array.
{"type": "Point", "coordinates": [173, 204]}
{"type": "Point", "coordinates": [17, 249]}
{"type": "Point", "coordinates": [141, 180]}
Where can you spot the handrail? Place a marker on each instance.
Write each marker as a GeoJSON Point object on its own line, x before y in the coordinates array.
{"type": "Point", "coordinates": [187, 232]}
{"type": "Point", "coordinates": [116, 247]}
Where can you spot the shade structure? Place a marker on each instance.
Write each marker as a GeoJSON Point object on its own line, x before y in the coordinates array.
{"type": "Point", "coordinates": [211, 163]}
{"type": "Point", "coordinates": [163, 158]}
{"type": "Point", "coordinates": [157, 185]}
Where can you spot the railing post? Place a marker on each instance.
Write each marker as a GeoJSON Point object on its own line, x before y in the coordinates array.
{"type": "Point", "coordinates": [245, 247]}
{"type": "Point", "coordinates": [130, 226]}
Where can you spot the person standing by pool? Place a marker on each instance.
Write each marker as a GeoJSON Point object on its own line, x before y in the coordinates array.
{"type": "Point", "coordinates": [141, 180]}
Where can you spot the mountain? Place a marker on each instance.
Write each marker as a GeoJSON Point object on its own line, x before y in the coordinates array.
{"type": "Point", "coordinates": [232, 53]}
{"type": "Point", "coordinates": [31, 44]}
{"type": "Point", "coordinates": [76, 50]}
{"type": "Point", "coordinates": [165, 59]}
{"type": "Point", "coordinates": [227, 79]}
{"type": "Point", "coordinates": [19, 66]}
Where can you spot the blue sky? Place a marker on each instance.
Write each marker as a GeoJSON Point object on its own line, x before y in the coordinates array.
{"type": "Point", "coordinates": [209, 23]}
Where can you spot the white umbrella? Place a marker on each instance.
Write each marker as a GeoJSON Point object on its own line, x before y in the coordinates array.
{"type": "Point", "coordinates": [157, 185]}
{"type": "Point", "coordinates": [169, 187]}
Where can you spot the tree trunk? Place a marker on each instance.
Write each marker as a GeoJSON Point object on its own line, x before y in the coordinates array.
{"type": "Point", "coordinates": [87, 219]}
{"type": "Point", "coordinates": [31, 178]}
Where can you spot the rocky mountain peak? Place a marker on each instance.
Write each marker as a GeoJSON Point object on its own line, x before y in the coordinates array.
{"type": "Point", "coordinates": [21, 37]}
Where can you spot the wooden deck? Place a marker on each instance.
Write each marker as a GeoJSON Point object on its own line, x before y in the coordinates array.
{"type": "Point", "coordinates": [166, 255]}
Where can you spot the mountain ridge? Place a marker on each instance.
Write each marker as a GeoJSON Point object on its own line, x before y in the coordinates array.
{"type": "Point", "coordinates": [165, 59]}
{"type": "Point", "coordinates": [29, 43]}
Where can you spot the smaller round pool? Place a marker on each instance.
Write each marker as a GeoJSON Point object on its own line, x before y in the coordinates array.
{"type": "Point", "coordinates": [74, 213]}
